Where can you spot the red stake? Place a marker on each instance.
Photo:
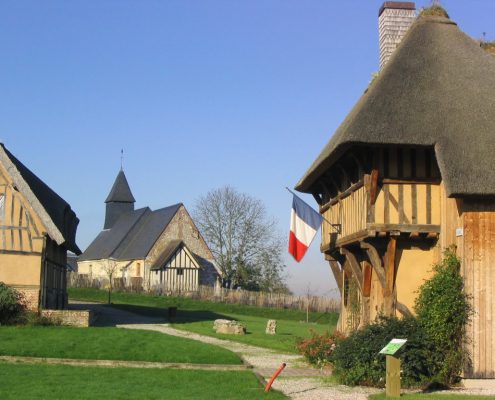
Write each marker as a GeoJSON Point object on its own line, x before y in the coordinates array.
{"type": "Point", "coordinates": [274, 376]}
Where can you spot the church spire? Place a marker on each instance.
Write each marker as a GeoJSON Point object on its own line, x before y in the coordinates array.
{"type": "Point", "coordinates": [119, 201]}
{"type": "Point", "coordinates": [120, 192]}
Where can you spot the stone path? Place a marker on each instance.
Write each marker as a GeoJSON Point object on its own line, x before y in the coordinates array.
{"type": "Point", "coordinates": [120, 363]}
{"type": "Point", "coordinates": [298, 381]}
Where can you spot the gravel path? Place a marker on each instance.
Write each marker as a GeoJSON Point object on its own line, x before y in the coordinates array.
{"type": "Point", "coordinates": [298, 381]}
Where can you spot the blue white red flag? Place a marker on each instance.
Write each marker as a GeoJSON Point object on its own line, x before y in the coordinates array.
{"type": "Point", "coordinates": [304, 223]}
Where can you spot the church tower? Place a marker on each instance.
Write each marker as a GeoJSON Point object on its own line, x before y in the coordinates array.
{"type": "Point", "coordinates": [119, 201]}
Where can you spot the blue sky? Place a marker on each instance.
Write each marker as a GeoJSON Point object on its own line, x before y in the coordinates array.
{"type": "Point", "coordinates": [199, 94]}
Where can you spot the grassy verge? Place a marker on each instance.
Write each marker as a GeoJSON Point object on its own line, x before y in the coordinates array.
{"type": "Point", "coordinates": [108, 344]}
{"type": "Point", "coordinates": [433, 396]}
{"type": "Point", "coordinates": [143, 299]}
{"type": "Point", "coordinates": [198, 317]}
{"type": "Point", "coordinates": [78, 383]}
{"type": "Point", "coordinates": [284, 340]}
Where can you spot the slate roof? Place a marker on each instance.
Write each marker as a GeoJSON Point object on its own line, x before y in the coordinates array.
{"type": "Point", "coordinates": [56, 214]}
{"type": "Point", "coordinates": [120, 192]}
{"type": "Point", "coordinates": [437, 90]}
{"type": "Point", "coordinates": [169, 251]}
{"type": "Point", "coordinates": [132, 236]}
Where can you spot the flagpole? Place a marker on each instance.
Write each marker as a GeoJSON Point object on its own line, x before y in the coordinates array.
{"type": "Point", "coordinates": [337, 227]}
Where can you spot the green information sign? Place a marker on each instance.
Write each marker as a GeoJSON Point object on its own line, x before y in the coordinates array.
{"type": "Point", "coordinates": [392, 347]}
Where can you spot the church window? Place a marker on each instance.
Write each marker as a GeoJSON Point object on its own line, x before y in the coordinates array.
{"type": "Point", "coordinates": [2, 207]}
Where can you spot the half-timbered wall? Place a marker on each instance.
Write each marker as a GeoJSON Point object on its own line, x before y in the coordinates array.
{"type": "Point", "coordinates": [374, 190]}
{"type": "Point", "coordinates": [180, 273]}
{"type": "Point", "coordinates": [21, 242]}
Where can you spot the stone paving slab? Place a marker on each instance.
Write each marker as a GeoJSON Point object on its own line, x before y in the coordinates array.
{"type": "Point", "coordinates": [121, 363]}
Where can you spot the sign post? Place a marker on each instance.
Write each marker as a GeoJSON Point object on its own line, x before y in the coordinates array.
{"type": "Point", "coordinates": [392, 382]}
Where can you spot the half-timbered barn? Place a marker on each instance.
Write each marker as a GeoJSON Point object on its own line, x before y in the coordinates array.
{"type": "Point", "coordinates": [145, 249]}
{"type": "Point", "coordinates": [37, 227]}
{"type": "Point", "coordinates": [408, 173]}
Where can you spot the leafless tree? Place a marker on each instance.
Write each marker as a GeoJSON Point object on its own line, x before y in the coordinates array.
{"type": "Point", "coordinates": [110, 268]}
{"type": "Point", "coordinates": [243, 239]}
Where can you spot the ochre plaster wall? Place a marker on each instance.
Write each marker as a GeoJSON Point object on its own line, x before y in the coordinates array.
{"type": "Point", "coordinates": [414, 268]}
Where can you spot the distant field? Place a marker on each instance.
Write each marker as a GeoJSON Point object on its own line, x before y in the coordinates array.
{"type": "Point", "coordinates": [26, 382]}
{"type": "Point", "coordinates": [198, 316]}
{"type": "Point", "coordinates": [190, 304]}
{"type": "Point", "coordinates": [108, 344]}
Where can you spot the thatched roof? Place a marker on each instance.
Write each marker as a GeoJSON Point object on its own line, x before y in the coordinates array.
{"type": "Point", "coordinates": [438, 90]}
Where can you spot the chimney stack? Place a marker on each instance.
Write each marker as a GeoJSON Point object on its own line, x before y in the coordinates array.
{"type": "Point", "coordinates": [394, 19]}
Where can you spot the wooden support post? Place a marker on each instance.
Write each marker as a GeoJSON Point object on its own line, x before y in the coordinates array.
{"type": "Point", "coordinates": [373, 186]}
{"type": "Point", "coordinates": [388, 292]}
{"type": "Point", "coordinates": [376, 261]}
{"type": "Point", "coordinates": [337, 273]}
{"type": "Point", "coordinates": [367, 272]}
{"type": "Point", "coordinates": [392, 382]}
{"type": "Point", "coordinates": [355, 267]}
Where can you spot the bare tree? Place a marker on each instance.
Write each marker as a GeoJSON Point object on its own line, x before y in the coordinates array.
{"type": "Point", "coordinates": [243, 239]}
{"type": "Point", "coordinates": [110, 268]}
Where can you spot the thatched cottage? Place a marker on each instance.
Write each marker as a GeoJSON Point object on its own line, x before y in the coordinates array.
{"type": "Point", "coordinates": [409, 172]}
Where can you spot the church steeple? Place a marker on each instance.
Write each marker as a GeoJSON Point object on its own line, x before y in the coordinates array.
{"type": "Point", "coordinates": [119, 201]}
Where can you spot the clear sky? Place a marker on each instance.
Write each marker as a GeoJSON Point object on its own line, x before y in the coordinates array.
{"type": "Point", "coordinates": [199, 94]}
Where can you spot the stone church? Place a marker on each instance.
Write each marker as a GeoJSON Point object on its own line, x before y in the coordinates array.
{"type": "Point", "coordinates": [148, 249]}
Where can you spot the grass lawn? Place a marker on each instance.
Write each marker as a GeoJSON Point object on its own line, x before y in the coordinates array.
{"type": "Point", "coordinates": [77, 383]}
{"type": "Point", "coordinates": [284, 340]}
{"type": "Point", "coordinates": [433, 396]}
{"type": "Point", "coordinates": [198, 317]}
{"type": "Point", "coordinates": [143, 299]}
{"type": "Point", "coordinates": [108, 344]}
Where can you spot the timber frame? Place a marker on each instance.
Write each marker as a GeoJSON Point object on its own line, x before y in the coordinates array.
{"type": "Point", "coordinates": [384, 200]}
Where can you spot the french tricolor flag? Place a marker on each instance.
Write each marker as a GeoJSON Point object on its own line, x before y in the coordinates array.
{"type": "Point", "coordinates": [304, 223]}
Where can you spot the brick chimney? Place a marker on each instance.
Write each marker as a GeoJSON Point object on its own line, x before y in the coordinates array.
{"type": "Point", "coordinates": [394, 19]}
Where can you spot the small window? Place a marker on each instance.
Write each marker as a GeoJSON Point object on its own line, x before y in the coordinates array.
{"type": "Point", "coordinates": [180, 271]}
{"type": "Point", "coordinates": [2, 206]}
{"type": "Point", "coordinates": [138, 269]}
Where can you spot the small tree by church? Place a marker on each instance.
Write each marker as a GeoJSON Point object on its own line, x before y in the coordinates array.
{"type": "Point", "coordinates": [110, 268]}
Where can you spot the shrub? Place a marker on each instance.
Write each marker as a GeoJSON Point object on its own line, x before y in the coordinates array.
{"type": "Point", "coordinates": [32, 318]}
{"type": "Point", "coordinates": [356, 359]}
{"type": "Point", "coordinates": [443, 310]}
{"type": "Point", "coordinates": [318, 348]}
{"type": "Point", "coordinates": [11, 304]}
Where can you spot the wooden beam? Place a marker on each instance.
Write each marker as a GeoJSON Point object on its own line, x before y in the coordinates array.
{"type": "Point", "coordinates": [376, 262]}
{"type": "Point", "coordinates": [433, 181]}
{"type": "Point", "coordinates": [373, 190]}
{"type": "Point", "coordinates": [344, 173]}
{"type": "Point", "coordinates": [367, 271]}
{"type": "Point", "coordinates": [358, 162]}
{"type": "Point", "coordinates": [342, 195]}
{"type": "Point", "coordinates": [403, 309]}
{"type": "Point", "coordinates": [390, 264]}
{"type": "Point", "coordinates": [404, 228]}
{"type": "Point", "coordinates": [355, 267]}
{"type": "Point", "coordinates": [337, 273]}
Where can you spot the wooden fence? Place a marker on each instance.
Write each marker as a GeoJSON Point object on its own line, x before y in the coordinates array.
{"type": "Point", "coordinates": [219, 294]}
